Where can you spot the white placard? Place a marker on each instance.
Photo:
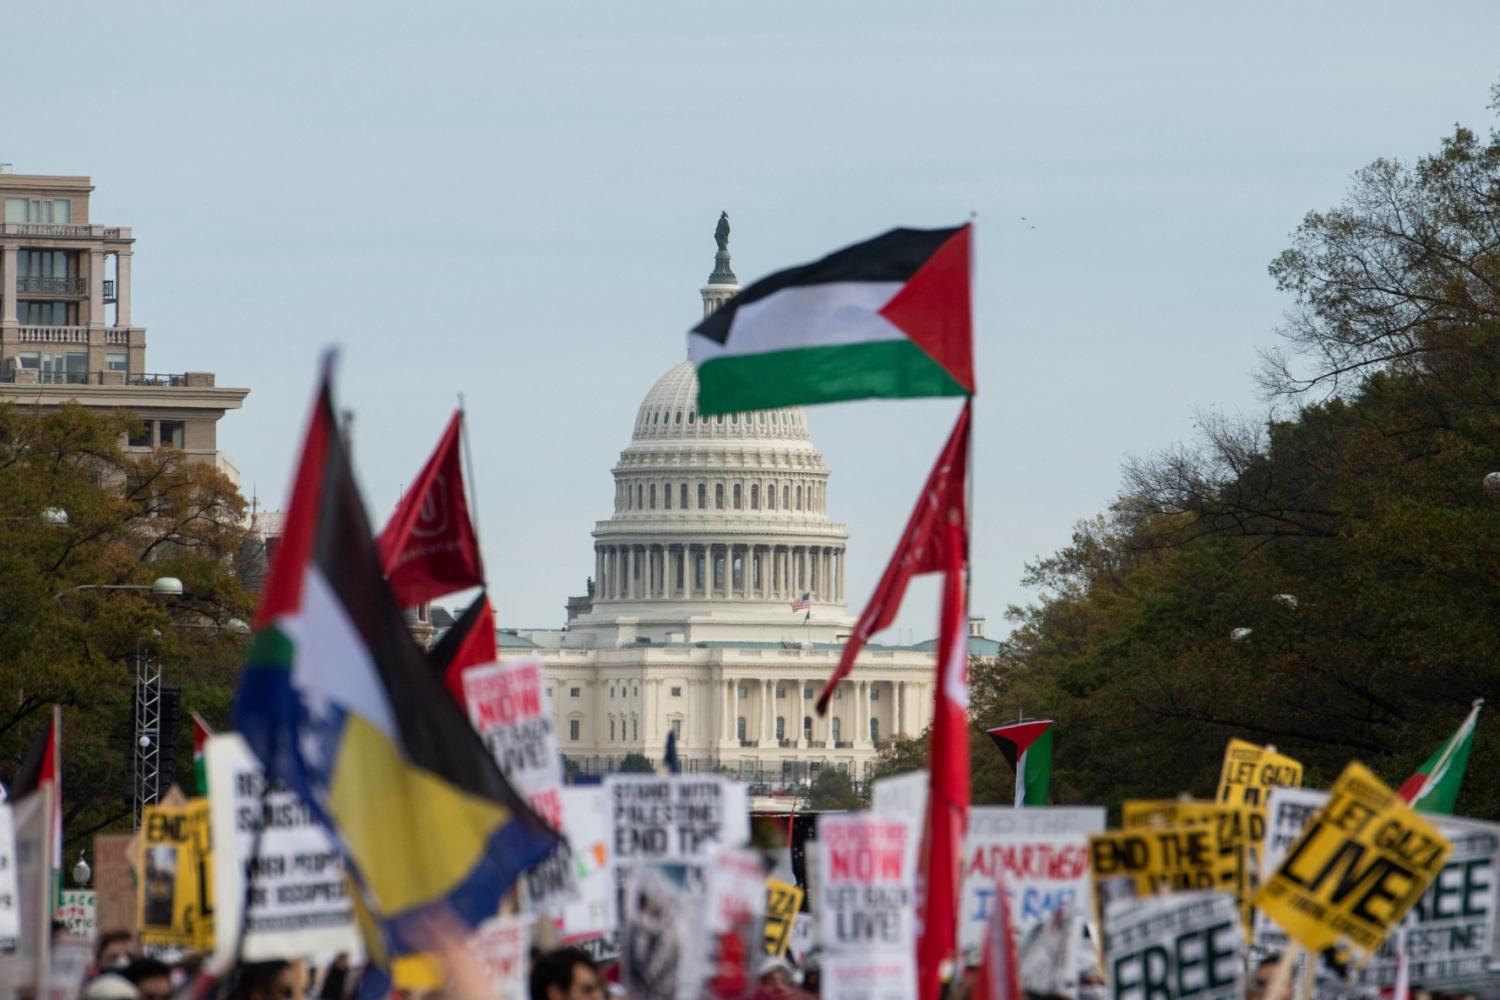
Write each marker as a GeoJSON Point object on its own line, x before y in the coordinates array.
{"type": "Point", "coordinates": [502, 945]}
{"type": "Point", "coordinates": [587, 825]}
{"type": "Point", "coordinates": [901, 795]}
{"type": "Point", "coordinates": [10, 902]}
{"type": "Point", "coordinates": [76, 910]}
{"type": "Point", "coordinates": [867, 907]}
{"type": "Point", "coordinates": [680, 818]}
{"type": "Point", "coordinates": [299, 904]}
{"type": "Point", "coordinates": [1181, 944]}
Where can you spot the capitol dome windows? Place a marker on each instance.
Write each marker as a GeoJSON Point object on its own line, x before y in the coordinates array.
{"type": "Point", "coordinates": [754, 497]}
{"type": "Point", "coordinates": [718, 496]}
{"type": "Point", "coordinates": [702, 495]}
{"type": "Point", "coordinates": [653, 496]}
{"type": "Point", "coordinates": [737, 497]}
{"type": "Point", "coordinates": [786, 497]}
{"type": "Point", "coordinates": [799, 497]}
{"type": "Point", "coordinates": [666, 496]}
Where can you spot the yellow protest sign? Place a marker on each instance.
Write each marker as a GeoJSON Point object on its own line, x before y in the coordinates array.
{"type": "Point", "coordinates": [176, 887]}
{"type": "Point", "coordinates": [1149, 860]}
{"type": "Point", "coordinates": [1359, 865]}
{"type": "Point", "coordinates": [1250, 772]}
{"type": "Point", "coordinates": [783, 902]}
{"type": "Point", "coordinates": [1237, 829]}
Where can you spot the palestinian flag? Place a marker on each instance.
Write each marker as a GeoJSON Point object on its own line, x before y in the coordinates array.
{"type": "Point", "coordinates": [41, 766]}
{"type": "Point", "coordinates": [338, 701]}
{"type": "Point", "coordinates": [201, 733]}
{"type": "Point", "coordinates": [1434, 788]}
{"type": "Point", "coordinates": [887, 317]}
{"type": "Point", "coordinates": [469, 642]}
{"type": "Point", "coordinates": [1027, 746]}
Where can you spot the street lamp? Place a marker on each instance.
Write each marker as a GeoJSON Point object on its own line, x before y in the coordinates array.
{"type": "Point", "coordinates": [162, 586]}
{"type": "Point", "coordinates": [1492, 484]}
{"type": "Point", "coordinates": [82, 871]}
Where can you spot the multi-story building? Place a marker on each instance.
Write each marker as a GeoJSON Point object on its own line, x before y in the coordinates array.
{"type": "Point", "coordinates": [66, 332]}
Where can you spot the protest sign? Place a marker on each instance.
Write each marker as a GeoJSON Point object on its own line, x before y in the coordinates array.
{"type": "Point", "coordinates": [176, 892]}
{"type": "Point", "coordinates": [1186, 944]}
{"type": "Point", "coordinates": [1362, 861]}
{"type": "Point", "coordinates": [1146, 861]}
{"type": "Point", "coordinates": [655, 938]}
{"type": "Point", "coordinates": [674, 817]}
{"type": "Point", "coordinates": [502, 946]}
{"type": "Point", "coordinates": [783, 902]}
{"type": "Point", "coordinates": [508, 705]}
{"type": "Point", "coordinates": [727, 940]}
{"type": "Point", "coordinates": [34, 879]}
{"type": "Point", "coordinates": [1452, 930]}
{"type": "Point", "coordinates": [298, 900]}
{"type": "Point", "coordinates": [590, 915]}
{"type": "Point", "coordinates": [1043, 853]}
{"type": "Point", "coordinates": [1238, 828]}
{"type": "Point", "coordinates": [114, 882]}
{"type": "Point", "coordinates": [867, 906]}
{"type": "Point", "coordinates": [76, 912]}
{"type": "Point", "coordinates": [68, 966]}
{"type": "Point", "coordinates": [1250, 772]}
{"type": "Point", "coordinates": [900, 795]}
{"type": "Point", "coordinates": [10, 903]}
{"type": "Point", "coordinates": [805, 938]}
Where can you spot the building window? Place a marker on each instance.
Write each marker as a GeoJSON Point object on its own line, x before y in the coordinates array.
{"type": "Point", "coordinates": [739, 727]}
{"type": "Point", "coordinates": [640, 496]}
{"type": "Point", "coordinates": [611, 729]}
{"type": "Point", "coordinates": [698, 570]}
{"type": "Point", "coordinates": [718, 496]}
{"type": "Point", "coordinates": [677, 692]}
{"type": "Point", "coordinates": [677, 728]}
{"type": "Point", "coordinates": [744, 692]}
{"type": "Point", "coordinates": [786, 498]}
{"type": "Point", "coordinates": [653, 496]}
{"type": "Point", "coordinates": [38, 210]}
{"type": "Point", "coordinates": [838, 694]}
{"type": "Point", "coordinates": [835, 728]}
{"type": "Point", "coordinates": [874, 693]}
{"type": "Point", "coordinates": [572, 729]}
{"type": "Point", "coordinates": [635, 728]}
{"type": "Point", "coordinates": [799, 498]}
{"type": "Point", "coordinates": [690, 417]}
{"type": "Point", "coordinates": [702, 495]}
{"type": "Point", "coordinates": [734, 418]}
{"type": "Point", "coordinates": [679, 417]}
{"type": "Point", "coordinates": [683, 497]}
{"type": "Point", "coordinates": [574, 693]}
{"type": "Point", "coordinates": [611, 691]}
{"type": "Point", "coordinates": [31, 313]}
{"type": "Point", "coordinates": [666, 496]}
{"type": "Point", "coordinates": [140, 438]}
{"type": "Point", "coordinates": [116, 362]}
{"type": "Point", "coordinates": [874, 730]}
{"type": "Point", "coordinates": [738, 496]}
{"type": "Point", "coordinates": [718, 572]}
{"type": "Point", "coordinates": [738, 569]}
{"type": "Point", "coordinates": [170, 432]}
{"type": "Point", "coordinates": [780, 692]}
{"type": "Point", "coordinates": [771, 497]}
{"type": "Point", "coordinates": [780, 727]}
{"type": "Point", "coordinates": [807, 692]}
{"type": "Point", "coordinates": [807, 727]}
{"type": "Point", "coordinates": [754, 497]}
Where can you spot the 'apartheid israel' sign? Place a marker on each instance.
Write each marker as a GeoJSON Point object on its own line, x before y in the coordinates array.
{"type": "Point", "coordinates": [1250, 772]}
{"type": "Point", "coordinates": [1185, 944]}
{"type": "Point", "coordinates": [867, 906]}
{"type": "Point", "coordinates": [1363, 860]}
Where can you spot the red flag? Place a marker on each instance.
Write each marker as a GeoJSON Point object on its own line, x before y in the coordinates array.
{"type": "Point", "coordinates": [922, 549]}
{"type": "Point", "coordinates": [469, 643]}
{"type": "Point", "coordinates": [429, 549]}
{"type": "Point", "coordinates": [999, 966]}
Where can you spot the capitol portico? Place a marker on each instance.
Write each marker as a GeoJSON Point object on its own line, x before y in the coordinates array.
{"type": "Point", "coordinates": [719, 527]}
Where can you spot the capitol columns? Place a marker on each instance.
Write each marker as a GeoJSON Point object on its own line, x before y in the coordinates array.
{"type": "Point", "coordinates": [801, 736]}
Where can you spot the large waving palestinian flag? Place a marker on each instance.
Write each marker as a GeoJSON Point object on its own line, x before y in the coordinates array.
{"type": "Point", "coordinates": [887, 317]}
{"type": "Point", "coordinates": [340, 702]}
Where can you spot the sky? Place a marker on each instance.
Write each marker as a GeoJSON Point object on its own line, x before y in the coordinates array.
{"type": "Point", "coordinates": [517, 202]}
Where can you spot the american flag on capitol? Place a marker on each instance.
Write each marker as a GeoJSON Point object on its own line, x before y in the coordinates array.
{"type": "Point", "coordinates": [802, 603]}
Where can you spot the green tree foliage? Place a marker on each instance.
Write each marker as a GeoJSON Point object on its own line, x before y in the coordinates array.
{"type": "Point", "coordinates": [832, 790]}
{"type": "Point", "coordinates": [1328, 581]}
{"type": "Point", "coordinates": [634, 763]}
{"type": "Point", "coordinates": [130, 518]}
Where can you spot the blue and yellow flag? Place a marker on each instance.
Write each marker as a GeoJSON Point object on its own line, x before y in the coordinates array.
{"type": "Point", "coordinates": [339, 702]}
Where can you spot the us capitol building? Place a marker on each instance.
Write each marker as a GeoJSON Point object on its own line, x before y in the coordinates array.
{"type": "Point", "coordinates": [720, 524]}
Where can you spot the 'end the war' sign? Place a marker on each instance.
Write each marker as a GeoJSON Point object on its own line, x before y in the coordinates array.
{"type": "Point", "coordinates": [1362, 861]}
{"type": "Point", "coordinates": [867, 906]}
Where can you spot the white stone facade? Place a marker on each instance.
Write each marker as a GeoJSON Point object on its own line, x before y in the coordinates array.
{"type": "Point", "coordinates": [719, 525]}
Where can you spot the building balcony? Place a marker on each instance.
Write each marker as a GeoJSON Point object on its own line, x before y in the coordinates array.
{"type": "Point", "coordinates": [59, 230]}
{"type": "Point", "coordinates": [11, 375]}
{"type": "Point", "coordinates": [112, 336]}
{"type": "Point", "coordinates": [27, 284]}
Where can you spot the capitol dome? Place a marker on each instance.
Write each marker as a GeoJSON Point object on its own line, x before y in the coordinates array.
{"type": "Point", "coordinates": [669, 412]}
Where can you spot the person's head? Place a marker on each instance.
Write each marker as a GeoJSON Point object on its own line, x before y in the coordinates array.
{"type": "Point", "coordinates": [272, 980]}
{"type": "Point", "coordinates": [152, 978]}
{"type": "Point", "coordinates": [775, 975]}
{"type": "Point", "coordinates": [1262, 978]}
{"type": "Point", "coordinates": [114, 950]}
{"type": "Point", "coordinates": [110, 986]}
{"type": "Point", "coordinates": [566, 974]}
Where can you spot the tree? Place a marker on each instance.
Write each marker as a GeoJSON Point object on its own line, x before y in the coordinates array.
{"type": "Point", "coordinates": [634, 763]}
{"type": "Point", "coordinates": [1328, 580]}
{"type": "Point", "coordinates": [83, 514]}
{"type": "Point", "coordinates": [832, 790]}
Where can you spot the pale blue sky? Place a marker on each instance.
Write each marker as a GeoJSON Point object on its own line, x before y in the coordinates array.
{"type": "Point", "coordinates": [517, 202]}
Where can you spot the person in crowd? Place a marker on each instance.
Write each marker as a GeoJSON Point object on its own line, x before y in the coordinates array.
{"type": "Point", "coordinates": [1264, 977]}
{"type": "Point", "coordinates": [566, 974]}
{"type": "Point", "coordinates": [110, 986]}
{"type": "Point", "coordinates": [273, 980]}
{"type": "Point", "coordinates": [114, 951]}
{"type": "Point", "coordinates": [774, 977]}
{"type": "Point", "coordinates": [152, 978]}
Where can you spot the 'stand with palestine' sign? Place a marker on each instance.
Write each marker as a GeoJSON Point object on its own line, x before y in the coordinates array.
{"type": "Point", "coordinates": [867, 906]}
{"type": "Point", "coordinates": [676, 818]}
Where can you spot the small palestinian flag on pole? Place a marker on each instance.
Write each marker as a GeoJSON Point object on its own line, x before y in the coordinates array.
{"type": "Point", "coordinates": [201, 733]}
{"type": "Point", "coordinates": [1027, 747]}
{"type": "Point", "coordinates": [889, 317]}
{"type": "Point", "coordinates": [1434, 788]}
